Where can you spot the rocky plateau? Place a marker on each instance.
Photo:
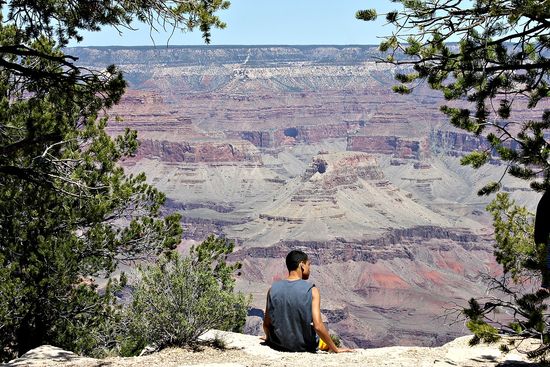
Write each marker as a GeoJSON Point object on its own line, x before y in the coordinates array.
{"type": "Point", "coordinates": [250, 351]}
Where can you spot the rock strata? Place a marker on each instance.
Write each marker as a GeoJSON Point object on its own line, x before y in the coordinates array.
{"type": "Point", "coordinates": [394, 244]}
{"type": "Point", "coordinates": [207, 152]}
{"type": "Point", "coordinates": [276, 147]}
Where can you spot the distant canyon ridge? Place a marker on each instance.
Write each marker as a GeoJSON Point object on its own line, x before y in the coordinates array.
{"type": "Point", "coordinates": [283, 147]}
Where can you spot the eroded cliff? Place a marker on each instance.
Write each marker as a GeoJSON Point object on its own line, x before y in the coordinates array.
{"type": "Point", "coordinates": [307, 147]}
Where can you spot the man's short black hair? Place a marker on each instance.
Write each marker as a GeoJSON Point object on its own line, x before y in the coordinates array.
{"type": "Point", "coordinates": [294, 258]}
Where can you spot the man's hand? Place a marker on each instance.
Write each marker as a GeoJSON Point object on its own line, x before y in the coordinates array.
{"type": "Point", "coordinates": [344, 350]}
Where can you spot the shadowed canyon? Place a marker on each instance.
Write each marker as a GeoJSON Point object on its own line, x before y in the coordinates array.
{"type": "Point", "coordinates": [307, 147]}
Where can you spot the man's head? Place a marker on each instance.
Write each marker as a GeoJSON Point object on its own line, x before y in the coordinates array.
{"type": "Point", "coordinates": [297, 261]}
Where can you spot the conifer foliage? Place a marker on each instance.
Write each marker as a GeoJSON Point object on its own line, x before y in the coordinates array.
{"type": "Point", "coordinates": [491, 61]}
{"type": "Point", "coordinates": [492, 55]}
{"type": "Point", "coordinates": [68, 212]}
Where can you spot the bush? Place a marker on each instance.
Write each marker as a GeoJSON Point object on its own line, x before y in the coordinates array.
{"type": "Point", "coordinates": [336, 340]}
{"type": "Point", "coordinates": [180, 298]}
{"type": "Point", "coordinates": [514, 305]}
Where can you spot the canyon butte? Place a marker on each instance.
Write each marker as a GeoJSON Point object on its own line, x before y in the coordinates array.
{"type": "Point", "coordinates": [307, 147]}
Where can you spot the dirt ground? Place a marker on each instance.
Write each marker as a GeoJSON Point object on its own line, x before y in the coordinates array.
{"type": "Point", "coordinates": [246, 350]}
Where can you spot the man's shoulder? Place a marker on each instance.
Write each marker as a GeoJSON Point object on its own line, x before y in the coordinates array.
{"type": "Point", "coordinates": [300, 284]}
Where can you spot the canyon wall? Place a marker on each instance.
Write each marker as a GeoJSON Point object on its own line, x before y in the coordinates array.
{"type": "Point", "coordinates": [282, 147]}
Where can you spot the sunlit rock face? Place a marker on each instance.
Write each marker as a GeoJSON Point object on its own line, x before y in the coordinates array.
{"type": "Point", "coordinates": [280, 148]}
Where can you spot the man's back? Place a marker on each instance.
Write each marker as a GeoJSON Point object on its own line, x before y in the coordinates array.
{"type": "Point", "coordinates": [289, 307]}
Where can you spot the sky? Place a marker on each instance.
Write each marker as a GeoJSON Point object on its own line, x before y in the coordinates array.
{"type": "Point", "coordinates": [268, 22]}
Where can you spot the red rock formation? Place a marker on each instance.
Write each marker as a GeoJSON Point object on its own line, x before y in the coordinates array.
{"type": "Point", "coordinates": [207, 152]}
{"type": "Point", "coordinates": [389, 145]}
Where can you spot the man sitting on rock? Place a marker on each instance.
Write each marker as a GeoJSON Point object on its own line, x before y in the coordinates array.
{"type": "Point", "coordinates": [293, 311]}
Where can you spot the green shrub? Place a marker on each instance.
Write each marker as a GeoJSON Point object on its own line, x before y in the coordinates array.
{"type": "Point", "coordinates": [180, 298]}
{"type": "Point", "coordinates": [336, 340]}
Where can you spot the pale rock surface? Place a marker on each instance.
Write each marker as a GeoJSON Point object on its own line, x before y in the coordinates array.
{"type": "Point", "coordinates": [246, 350]}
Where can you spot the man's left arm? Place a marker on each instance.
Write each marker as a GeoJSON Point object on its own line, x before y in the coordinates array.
{"type": "Point", "coordinates": [267, 319]}
{"type": "Point", "coordinates": [318, 324]}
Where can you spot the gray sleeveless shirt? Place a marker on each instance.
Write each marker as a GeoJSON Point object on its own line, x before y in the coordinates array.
{"type": "Point", "coordinates": [289, 307]}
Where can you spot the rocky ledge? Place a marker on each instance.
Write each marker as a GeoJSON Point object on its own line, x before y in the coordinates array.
{"type": "Point", "coordinates": [245, 350]}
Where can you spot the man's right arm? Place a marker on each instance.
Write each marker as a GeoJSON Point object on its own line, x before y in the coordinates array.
{"type": "Point", "coordinates": [318, 324]}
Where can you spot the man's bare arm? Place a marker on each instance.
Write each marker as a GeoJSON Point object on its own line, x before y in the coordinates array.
{"type": "Point", "coordinates": [318, 324]}
{"type": "Point", "coordinates": [267, 319]}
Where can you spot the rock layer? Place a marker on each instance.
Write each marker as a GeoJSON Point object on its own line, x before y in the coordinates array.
{"type": "Point", "coordinates": [307, 147]}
